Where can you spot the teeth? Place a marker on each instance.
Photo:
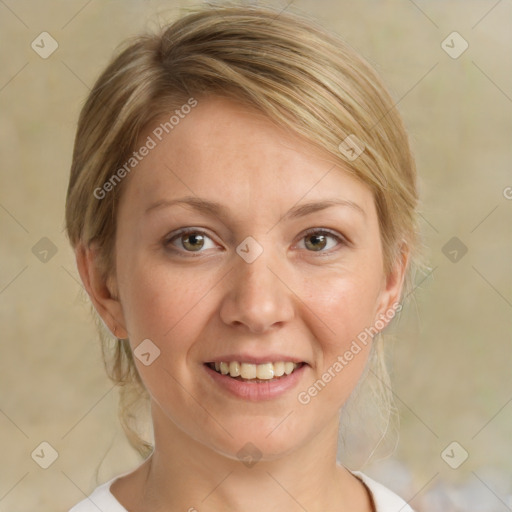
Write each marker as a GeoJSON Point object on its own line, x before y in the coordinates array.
{"type": "Point", "coordinates": [248, 371]}
{"type": "Point", "coordinates": [288, 368]}
{"type": "Point", "coordinates": [234, 369]}
{"type": "Point", "coordinates": [279, 369]}
{"type": "Point", "coordinates": [265, 371]}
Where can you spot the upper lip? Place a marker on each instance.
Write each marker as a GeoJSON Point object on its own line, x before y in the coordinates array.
{"type": "Point", "coordinates": [252, 359]}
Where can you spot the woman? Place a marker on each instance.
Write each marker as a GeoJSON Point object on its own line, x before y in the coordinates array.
{"type": "Point", "coordinates": [242, 205]}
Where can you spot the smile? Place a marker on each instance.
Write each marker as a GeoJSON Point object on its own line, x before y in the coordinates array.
{"type": "Point", "coordinates": [253, 381]}
{"type": "Point", "coordinates": [255, 372]}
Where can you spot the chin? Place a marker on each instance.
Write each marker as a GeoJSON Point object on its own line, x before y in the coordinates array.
{"type": "Point", "coordinates": [264, 439]}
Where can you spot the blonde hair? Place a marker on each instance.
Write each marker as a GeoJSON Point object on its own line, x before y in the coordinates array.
{"type": "Point", "coordinates": [299, 75]}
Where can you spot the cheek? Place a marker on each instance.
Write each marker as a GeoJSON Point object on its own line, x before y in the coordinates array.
{"type": "Point", "coordinates": [342, 307]}
{"type": "Point", "coordinates": [340, 357]}
{"type": "Point", "coordinates": [344, 304]}
{"type": "Point", "coordinates": [158, 302]}
{"type": "Point", "coordinates": [168, 308]}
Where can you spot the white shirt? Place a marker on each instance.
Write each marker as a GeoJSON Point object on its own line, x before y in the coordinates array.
{"type": "Point", "coordinates": [102, 499]}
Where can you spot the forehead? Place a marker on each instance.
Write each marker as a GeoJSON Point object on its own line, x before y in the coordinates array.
{"type": "Point", "coordinates": [230, 152]}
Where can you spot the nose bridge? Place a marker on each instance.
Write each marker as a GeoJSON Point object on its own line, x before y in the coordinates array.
{"type": "Point", "coordinates": [255, 280]}
{"type": "Point", "coordinates": [256, 297]}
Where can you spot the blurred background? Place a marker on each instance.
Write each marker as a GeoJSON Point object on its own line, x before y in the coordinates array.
{"type": "Point", "coordinates": [447, 64]}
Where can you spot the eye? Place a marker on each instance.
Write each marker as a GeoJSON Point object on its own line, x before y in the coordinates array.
{"type": "Point", "coordinates": [320, 240]}
{"type": "Point", "coordinates": [191, 241]}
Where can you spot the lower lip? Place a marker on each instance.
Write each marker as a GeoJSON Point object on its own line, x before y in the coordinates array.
{"type": "Point", "coordinates": [257, 391]}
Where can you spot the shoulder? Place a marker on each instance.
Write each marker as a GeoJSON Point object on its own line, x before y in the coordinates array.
{"type": "Point", "coordinates": [100, 499]}
{"type": "Point", "coordinates": [384, 499]}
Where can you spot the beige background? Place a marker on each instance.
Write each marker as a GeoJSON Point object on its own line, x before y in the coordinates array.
{"type": "Point", "coordinates": [453, 354]}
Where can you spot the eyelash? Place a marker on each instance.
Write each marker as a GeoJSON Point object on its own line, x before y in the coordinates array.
{"type": "Point", "coordinates": [341, 240]}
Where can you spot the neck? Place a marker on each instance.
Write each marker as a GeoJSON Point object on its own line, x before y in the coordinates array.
{"type": "Point", "coordinates": [184, 474]}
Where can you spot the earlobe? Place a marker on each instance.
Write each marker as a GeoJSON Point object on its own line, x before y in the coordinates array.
{"type": "Point", "coordinates": [391, 294]}
{"type": "Point", "coordinates": [100, 291]}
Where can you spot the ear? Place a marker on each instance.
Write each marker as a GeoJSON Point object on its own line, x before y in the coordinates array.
{"type": "Point", "coordinates": [101, 289]}
{"type": "Point", "coordinates": [389, 297]}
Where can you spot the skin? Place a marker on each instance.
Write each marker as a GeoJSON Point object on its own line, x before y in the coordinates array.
{"type": "Point", "coordinates": [198, 305]}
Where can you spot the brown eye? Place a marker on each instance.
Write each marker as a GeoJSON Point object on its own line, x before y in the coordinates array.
{"type": "Point", "coordinates": [192, 242]}
{"type": "Point", "coordinates": [188, 241]}
{"type": "Point", "coordinates": [316, 242]}
{"type": "Point", "coordinates": [321, 241]}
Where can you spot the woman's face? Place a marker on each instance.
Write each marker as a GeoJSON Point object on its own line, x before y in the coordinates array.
{"type": "Point", "coordinates": [238, 243]}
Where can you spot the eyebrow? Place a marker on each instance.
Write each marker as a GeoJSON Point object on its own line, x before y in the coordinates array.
{"type": "Point", "coordinates": [218, 210]}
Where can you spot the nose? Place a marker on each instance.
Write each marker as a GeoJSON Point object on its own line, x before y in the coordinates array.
{"type": "Point", "coordinates": [257, 298]}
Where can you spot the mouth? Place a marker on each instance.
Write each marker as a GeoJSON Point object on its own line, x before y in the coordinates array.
{"type": "Point", "coordinates": [257, 373]}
